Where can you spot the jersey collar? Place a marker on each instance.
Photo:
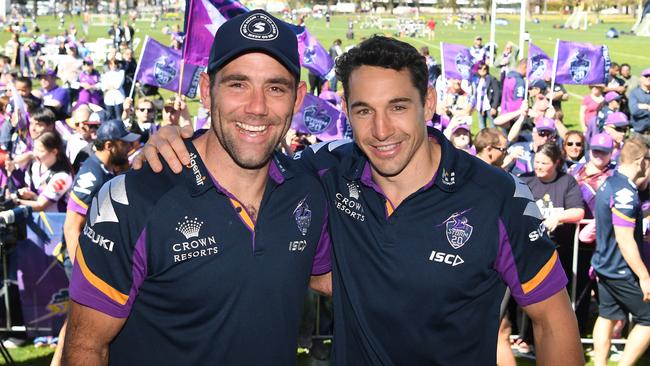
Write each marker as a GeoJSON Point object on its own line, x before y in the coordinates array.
{"type": "Point", "coordinates": [448, 177]}
{"type": "Point", "coordinates": [200, 180]}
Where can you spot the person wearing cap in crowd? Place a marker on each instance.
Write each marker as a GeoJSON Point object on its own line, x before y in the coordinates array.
{"type": "Point", "coordinates": [460, 135]}
{"type": "Point", "coordinates": [90, 91]}
{"type": "Point", "coordinates": [623, 278]}
{"type": "Point", "coordinates": [401, 182]}
{"type": "Point", "coordinates": [52, 94]}
{"type": "Point", "coordinates": [239, 212]}
{"type": "Point", "coordinates": [477, 50]}
{"type": "Point", "coordinates": [639, 104]}
{"type": "Point", "coordinates": [524, 152]}
{"type": "Point", "coordinates": [592, 174]}
{"type": "Point", "coordinates": [79, 144]}
{"type": "Point", "coordinates": [175, 112]}
{"type": "Point", "coordinates": [111, 149]}
{"type": "Point", "coordinates": [617, 126]}
{"type": "Point", "coordinates": [535, 88]}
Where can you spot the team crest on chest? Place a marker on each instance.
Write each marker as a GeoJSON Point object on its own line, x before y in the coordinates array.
{"type": "Point", "coordinates": [302, 215]}
{"type": "Point", "coordinates": [457, 229]}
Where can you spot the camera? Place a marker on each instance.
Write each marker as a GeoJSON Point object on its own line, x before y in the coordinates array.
{"type": "Point", "coordinates": [13, 222]}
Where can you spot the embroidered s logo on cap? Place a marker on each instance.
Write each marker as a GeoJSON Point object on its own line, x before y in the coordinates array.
{"type": "Point", "coordinates": [259, 27]}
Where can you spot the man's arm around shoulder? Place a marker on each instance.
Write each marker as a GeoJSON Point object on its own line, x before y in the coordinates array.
{"type": "Point", "coordinates": [88, 336]}
{"type": "Point", "coordinates": [557, 338]}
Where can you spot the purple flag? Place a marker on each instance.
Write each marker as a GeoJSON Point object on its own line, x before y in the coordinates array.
{"type": "Point", "coordinates": [540, 66]}
{"type": "Point", "coordinates": [160, 66]}
{"type": "Point", "coordinates": [456, 61]}
{"type": "Point", "coordinates": [320, 118]}
{"type": "Point", "coordinates": [204, 17]}
{"type": "Point", "coordinates": [42, 282]}
{"type": "Point", "coordinates": [313, 56]}
{"type": "Point", "coordinates": [581, 63]}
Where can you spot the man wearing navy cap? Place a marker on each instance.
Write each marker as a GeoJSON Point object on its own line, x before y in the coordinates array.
{"type": "Point", "coordinates": [210, 266]}
{"type": "Point", "coordinates": [640, 104]}
{"type": "Point", "coordinates": [425, 236]}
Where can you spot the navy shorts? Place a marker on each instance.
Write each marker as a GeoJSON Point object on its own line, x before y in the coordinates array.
{"type": "Point", "coordinates": [618, 297]}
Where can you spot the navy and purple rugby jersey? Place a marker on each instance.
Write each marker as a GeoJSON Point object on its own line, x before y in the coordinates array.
{"type": "Point", "coordinates": [617, 204]}
{"type": "Point", "coordinates": [199, 279]}
{"type": "Point", "coordinates": [421, 284]}
{"type": "Point", "coordinates": [91, 177]}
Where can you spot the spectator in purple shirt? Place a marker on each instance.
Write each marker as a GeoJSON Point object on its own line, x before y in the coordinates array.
{"type": "Point", "coordinates": [514, 88]}
{"type": "Point", "coordinates": [53, 95]}
{"type": "Point", "coordinates": [90, 91]}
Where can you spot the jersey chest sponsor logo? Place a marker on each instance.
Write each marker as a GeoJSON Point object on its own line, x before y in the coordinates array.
{"type": "Point", "coordinates": [194, 244]}
{"type": "Point", "coordinates": [349, 203]}
{"type": "Point", "coordinates": [623, 199]}
{"type": "Point", "coordinates": [198, 176]}
{"type": "Point", "coordinates": [446, 258]}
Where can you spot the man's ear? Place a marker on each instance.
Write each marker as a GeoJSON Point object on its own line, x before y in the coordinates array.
{"type": "Point", "coordinates": [204, 87]}
{"type": "Point", "coordinates": [430, 101]}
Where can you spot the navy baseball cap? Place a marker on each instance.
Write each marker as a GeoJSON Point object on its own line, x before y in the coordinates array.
{"type": "Point", "coordinates": [539, 83]}
{"type": "Point", "coordinates": [114, 129]}
{"type": "Point", "coordinates": [255, 31]}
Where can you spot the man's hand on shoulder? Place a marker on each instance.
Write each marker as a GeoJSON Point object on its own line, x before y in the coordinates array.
{"type": "Point", "coordinates": [168, 142]}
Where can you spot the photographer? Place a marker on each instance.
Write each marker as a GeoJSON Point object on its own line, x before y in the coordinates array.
{"type": "Point", "coordinates": [49, 177]}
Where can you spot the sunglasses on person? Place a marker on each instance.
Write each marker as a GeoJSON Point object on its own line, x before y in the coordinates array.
{"type": "Point", "coordinates": [502, 149]}
{"type": "Point", "coordinates": [545, 133]}
{"type": "Point", "coordinates": [576, 144]}
{"type": "Point", "coordinates": [148, 110]}
{"type": "Point", "coordinates": [621, 129]}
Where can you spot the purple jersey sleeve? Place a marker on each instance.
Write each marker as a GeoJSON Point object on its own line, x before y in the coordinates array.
{"type": "Point", "coordinates": [526, 259]}
{"type": "Point", "coordinates": [322, 257]}
{"type": "Point", "coordinates": [111, 261]}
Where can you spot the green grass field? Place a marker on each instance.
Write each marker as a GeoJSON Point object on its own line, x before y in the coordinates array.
{"type": "Point", "coordinates": [627, 49]}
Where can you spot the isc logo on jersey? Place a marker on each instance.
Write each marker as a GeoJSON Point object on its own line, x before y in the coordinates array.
{"type": "Point", "coordinates": [451, 259]}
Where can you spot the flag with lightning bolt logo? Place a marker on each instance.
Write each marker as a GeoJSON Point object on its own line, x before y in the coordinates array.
{"type": "Point", "coordinates": [203, 19]}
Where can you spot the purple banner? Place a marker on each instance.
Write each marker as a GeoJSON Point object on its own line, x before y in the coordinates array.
{"type": "Point", "coordinates": [457, 61]}
{"type": "Point", "coordinates": [161, 66]}
{"type": "Point", "coordinates": [540, 66]}
{"type": "Point", "coordinates": [42, 282]}
{"type": "Point", "coordinates": [581, 63]}
{"type": "Point", "coordinates": [203, 20]}
{"type": "Point", "coordinates": [313, 56]}
{"type": "Point", "coordinates": [320, 118]}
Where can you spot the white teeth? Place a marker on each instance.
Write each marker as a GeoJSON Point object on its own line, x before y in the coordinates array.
{"type": "Point", "coordinates": [386, 147]}
{"type": "Point", "coordinates": [251, 128]}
